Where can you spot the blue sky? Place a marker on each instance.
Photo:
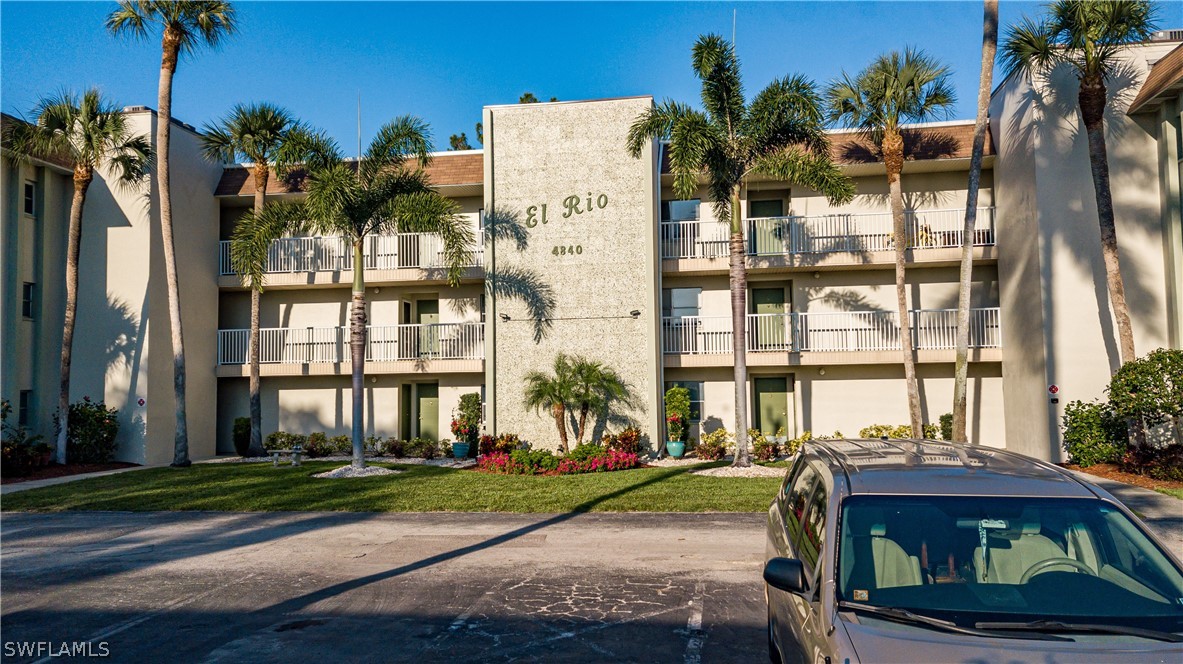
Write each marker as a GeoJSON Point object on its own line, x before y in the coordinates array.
{"type": "Point", "coordinates": [444, 61]}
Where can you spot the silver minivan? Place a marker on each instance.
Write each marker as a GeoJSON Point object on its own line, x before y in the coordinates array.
{"type": "Point", "coordinates": [927, 551]}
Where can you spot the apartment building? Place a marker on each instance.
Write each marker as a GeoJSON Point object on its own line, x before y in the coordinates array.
{"type": "Point", "coordinates": [583, 249]}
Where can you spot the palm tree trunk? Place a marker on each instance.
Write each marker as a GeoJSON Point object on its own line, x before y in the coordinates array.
{"type": "Point", "coordinates": [357, 348]}
{"type": "Point", "coordinates": [583, 408]}
{"type": "Point", "coordinates": [961, 366]}
{"type": "Point", "coordinates": [893, 158]}
{"type": "Point", "coordinates": [256, 446]}
{"type": "Point", "coordinates": [739, 320]}
{"type": "Point", "coordinates": [1092, 110]}
{"type": "Point", "coordinates": [82, 179]}
{"type": "Point", "coordinates": [170, 47]}
{"type": "Point", "coordinates": [559, 412]}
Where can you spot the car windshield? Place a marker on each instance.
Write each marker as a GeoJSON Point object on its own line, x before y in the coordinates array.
{"type": "Point", "coordinates": [980, 559]}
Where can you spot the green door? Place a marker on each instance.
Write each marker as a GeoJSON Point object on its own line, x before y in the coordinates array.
{"type": "Point", "coordinates": [427, 316]}
{"type": "Point", "coordinates": [766, 233]}
{"type": "Point", "coordinates": [771, 404]}
{"type": "Point", "coordinates": [428, 395]}
{"type": "Point", "coordinates": [404, 411]}
{"type": "Point", "coordinates": [768, 331]}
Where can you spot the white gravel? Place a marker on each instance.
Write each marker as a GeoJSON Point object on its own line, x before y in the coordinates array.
{"type": "Point", "coordinates": [350, 471]}
{"type": "Point", "coordinates": [751, 471]}
{"type": "Point", "coordinates": [671, 461]}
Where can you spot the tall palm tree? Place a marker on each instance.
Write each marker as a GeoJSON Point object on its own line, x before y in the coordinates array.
{"type": "Point", "coordinates": [780, 134]}
{"type": "Point", "coordinates": [91, 134]}
{"type": "Point", "coordinates": [387, 192]}
{"type": "Point", "coordinates": [1086, 38]}
{"type": "Point", "coordinates": [593, 388]}
{"type": "Point", "coordinates": [895, 89]}
{"type": "Point", "coordinates": [961, 365]}
{"type": "Point", "coordinates": [184, 25]}
{"type": "Point", "coordinates": [257, 132]}
{"type": "Point", "coordinates": [553, 392]}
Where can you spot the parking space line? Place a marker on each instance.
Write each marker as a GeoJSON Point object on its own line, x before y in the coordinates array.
{"type": "Point", "coordinates": [694, 626]}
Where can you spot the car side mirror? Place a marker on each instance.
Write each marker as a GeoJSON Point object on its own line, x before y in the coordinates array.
{"type": "Point", "coordinates": [787, 574]}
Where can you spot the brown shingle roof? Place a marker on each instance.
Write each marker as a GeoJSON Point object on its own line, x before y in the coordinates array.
{"type": "Point", "coordinates": [920, 144]}
{"type": "Point", "coordinates": [1167, 73]}
{"type": "Point", "coordinates": [445, 170]}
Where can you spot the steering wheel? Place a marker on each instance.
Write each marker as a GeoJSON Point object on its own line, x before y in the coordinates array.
{"type": "Point", "coordinates": [1041, 566]}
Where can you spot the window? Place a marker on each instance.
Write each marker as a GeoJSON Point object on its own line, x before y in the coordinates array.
{"type": "Point", "coordinates": [27, 305]}
{"type": "Point", "coordinates": [24, 408]}
{"type": "Point", "coordinates": [482, 307]}
{"type": "Point", "coordinates": [30, 198]}
{"type": "Point", "coordinates": [696, 402]}
{"type": "Point", "coordinates": [679, 302]}
{"type": "Point", "coordinates": [813, 534]}
{"type": "Point", "coordinates": [680, 210]}
{"type": "Point", "coordinates": [798, 500]}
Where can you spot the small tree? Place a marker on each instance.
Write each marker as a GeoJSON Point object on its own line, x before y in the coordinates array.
{"type": "Point", "coordinates": [594, 388]}
{"type": "Point", "coordinates": [677, 413]}
{"type": "Point", "coordinates": [552, 391]}
{"type": "Point", "coordinates": [468, 417]}
{"type": "Point", "coordinates": [458, 142]}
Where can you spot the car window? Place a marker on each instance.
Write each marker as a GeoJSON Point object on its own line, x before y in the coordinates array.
{"type": "Point", "coordinates": [798, 501]}
{"type": "Point", "coordinates": [811, 547]}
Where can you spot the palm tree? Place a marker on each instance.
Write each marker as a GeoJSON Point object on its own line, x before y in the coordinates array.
{"type": "Point", "coordinates": [893, 90]}
{"type": "Point", "coordinates": [593, 388]}
{"type": "Point", "coordinates": [91, 134]}
{"type": "Point", "coordinates": [184, 26]}
{"type": "Point", "coordinates": [257, 132]}
{"type": "Point", "coordinates": [961, 365]}
{"type": "Point", "coordinates": [780, 134]}
{"type": "Point", "coordinates": [552, 391]}
{"type": "Point", "coordinates": [387, 192]}
{"type": "Point", "coordinates": [1086, 38]}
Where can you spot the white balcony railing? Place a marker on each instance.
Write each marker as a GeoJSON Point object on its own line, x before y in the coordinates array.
{"type": "Point", "coordinates": [384, 343]}
{"type": "Point", "coordinates": [332, 254]}
{"type": "Point", "coordinates": [831, 233]}
{"type": "Point", "coordinates": [932, 329]}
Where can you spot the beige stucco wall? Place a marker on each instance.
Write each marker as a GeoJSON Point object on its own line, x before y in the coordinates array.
{"type": "Point", "coordinates": [1059, 326]}
{"type": "Point", "coordinates": [540, 154]}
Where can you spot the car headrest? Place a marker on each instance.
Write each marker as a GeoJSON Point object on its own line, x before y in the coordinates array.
{"type": "Point", "coordinates": [878, 530]}
{"type": "Point", "coordinates": [1031, 528]}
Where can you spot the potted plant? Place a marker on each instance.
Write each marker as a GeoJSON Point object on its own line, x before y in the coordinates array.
{"type": "Point", "coordinates": [462, 430]}
{"type": "Point", "coordinates": [466, 426]}
{"type": "Point", "coordinates": [676, 427]}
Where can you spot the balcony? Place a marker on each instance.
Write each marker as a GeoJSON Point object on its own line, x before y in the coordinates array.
{"type": "Point", "coordinates": [301, 260]}
{"type": "Point", "coordinates": [428, 348]}
{"type": "Point", "coordinates": [809, 239]}
{"type": "Point", "coordinates": [821, 337]}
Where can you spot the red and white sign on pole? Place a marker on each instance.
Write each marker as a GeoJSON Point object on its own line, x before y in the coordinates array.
{"type": "Point", "coordinates": [1053, 390]}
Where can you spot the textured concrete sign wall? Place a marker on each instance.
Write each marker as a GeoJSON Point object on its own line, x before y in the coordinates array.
{"type": "Point", "coordinates": [588, 209]}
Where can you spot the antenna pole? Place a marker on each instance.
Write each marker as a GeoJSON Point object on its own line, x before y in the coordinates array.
{"type": "Point", "coordinates": [733, 11]}
{"type": "Point", "coordinates": [359, 133]}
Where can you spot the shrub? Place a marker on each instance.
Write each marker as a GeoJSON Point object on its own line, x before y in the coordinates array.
{"type": "Point", "coordinates": [713, 445]}
{"type": "Point", "coordinates": [317, 445]}
{"type": "Point", "coordinates": [91, 431]}
{"type": "Point", "coordinates": [1149, 388]}
{"type": "Point", "coordinates": [466, 426]}
{"type": "Point", "coordinates": [393, 447]}
{"type": "Point", "coordinates": [895, 431]}
{"type": "Point", "coordinates": [586, 451]}
{"type": "Point", "coordinates": [629, 441]}
{"type": "Point", "coordinates": [504, 443]}
{"type": "Point", "coordinates": [795, 444]}
{"type": "Point", "coordinates": [1093, 433]}
{"type": "Point", "coordinates": [534, 461]}
{"type": "Point", "coordinates": [341, 445]}
{"type": "Point", "coordinates": [282, 440]}
{"type": "Point", "coordinates": [1160, 463]}
{"type": "Point", "coordinates": [242, 435]}
{"type": "Point", "coordinates": [762, 448]}
{"type": "Point", "coordinates": [274, 441]}
{"type": "Point", "coordinates": [422, 448]}
{"type": "Point", "coordinates": [21, 450]}
{"type": "Point", "coordinates": [947, 426]}
{"type": "Point", "coordinates": [609, 460]}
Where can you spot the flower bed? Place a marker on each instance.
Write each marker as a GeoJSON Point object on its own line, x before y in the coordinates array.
{"type": "Point", "coordinates": [543, 462]}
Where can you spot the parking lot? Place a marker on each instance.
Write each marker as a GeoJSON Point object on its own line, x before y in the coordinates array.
{"type": "Point", "coordinates": [206, 587]}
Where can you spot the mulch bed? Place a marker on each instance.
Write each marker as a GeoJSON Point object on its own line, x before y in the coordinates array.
{"type": "Point", "coordinates": [55, 470]}
{"type": "Point", "coordinates": [1110, 471]}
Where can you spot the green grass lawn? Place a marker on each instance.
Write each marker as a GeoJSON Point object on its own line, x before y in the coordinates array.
{"type": "Point", "coordinates": [1175, 493]}
{"type": "Point", "coordinates": [260, 487]}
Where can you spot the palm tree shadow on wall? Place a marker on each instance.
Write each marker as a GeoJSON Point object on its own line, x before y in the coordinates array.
{"type": "Point", "coordinates": [517, 283]}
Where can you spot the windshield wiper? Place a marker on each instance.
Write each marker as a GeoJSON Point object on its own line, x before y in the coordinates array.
{"type": "Point", "coordinates": [1056, 626]}
{"type": "Point", "coordinates": [904, 615]}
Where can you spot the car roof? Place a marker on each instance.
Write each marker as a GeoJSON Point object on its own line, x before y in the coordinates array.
{"type": "Point", "coordinates": [932, 467]}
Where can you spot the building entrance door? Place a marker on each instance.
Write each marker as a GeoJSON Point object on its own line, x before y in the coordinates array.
{"type": "Point", "coordinates": [427, 397]}
{"type": "Point", "coordinates": [768, 327]}
{"type": "Point", "coordinates": [427, 316]}
{"type": "Point", "coordinates": [768, 234]}
{"type": "Point", "coordinates": [771, 403]}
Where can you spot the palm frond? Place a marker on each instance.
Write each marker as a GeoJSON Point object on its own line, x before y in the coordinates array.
{"type": "Point", "coordinates": [786, 112]}
{"type": "Point", "coordinates": [1029, 47]}
{"type": "Point", "coordinates": [251, 241]}
{"type": "Point", "coordinates": [808, 169]}
{"type": "Point", "coordinates": [692, 138]}
{"type": "Point", "coordinates": [406, 138]}
{"type": "Point", "coordinates": [654, 124]}
{"type": "Point", "coordinates": [716, 65]}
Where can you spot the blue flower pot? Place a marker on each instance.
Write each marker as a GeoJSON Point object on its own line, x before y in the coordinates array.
{"type": "Point", "coordinates": [459, 450]}
{"type": "Point", "coordinates": [676, 448]}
